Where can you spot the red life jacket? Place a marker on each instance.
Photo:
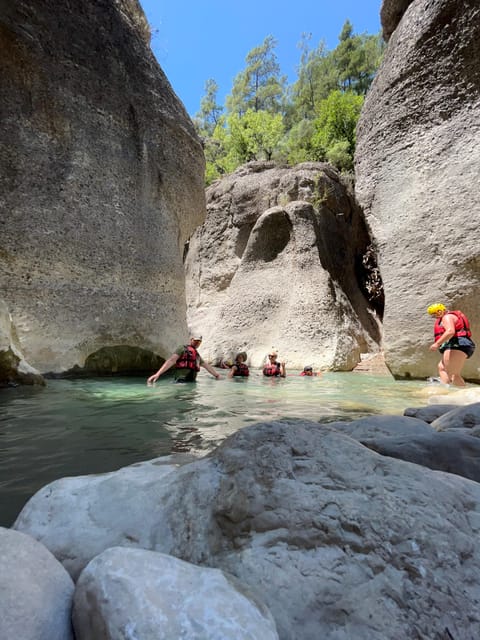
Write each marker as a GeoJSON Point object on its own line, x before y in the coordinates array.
{"type": "Point", "coordinates": [271, 369]}
{"type": "Point", "coordinates": [241, 369]}
{"type": "Point", "coordinates": [462, 326]}
{"type": "Point", "coordinates": [188, 360]}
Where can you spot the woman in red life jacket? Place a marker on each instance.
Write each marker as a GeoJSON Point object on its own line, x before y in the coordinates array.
{"type": "Point", "coordinates": [239, 368]}
{"type": "Point", "coordinates": [274, 368]}
{"type": "Point", "coordinates": [187, 362]}
{"type": "Point", "coordinates": [453, 339]}
{"type": "Point", "coordinates": [309, 372]}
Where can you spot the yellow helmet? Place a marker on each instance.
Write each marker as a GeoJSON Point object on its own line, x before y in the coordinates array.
{"type": "Point", "coordinates": [435, 308]}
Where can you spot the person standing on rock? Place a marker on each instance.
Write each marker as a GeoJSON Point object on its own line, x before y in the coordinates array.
{"type": "Point", "coordinates": [187, 362]}
{"type": "Point", "coordinates": [453, 340]}
{"type": "Point", "coordinates": [273, 368]}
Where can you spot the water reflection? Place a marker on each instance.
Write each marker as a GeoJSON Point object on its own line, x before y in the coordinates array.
{"type": "Point", "coordinates": [91, 426]}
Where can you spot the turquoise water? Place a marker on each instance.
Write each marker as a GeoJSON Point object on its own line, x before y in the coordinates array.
{"type": "Point", "coordinates": [90, 426]}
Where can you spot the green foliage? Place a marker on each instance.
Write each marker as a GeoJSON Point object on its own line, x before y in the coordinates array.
{"type": "Point", "coordinates": [210, 111]}
{"type": "Point", "coordinates": [336, 123]}
{"type": "Point", "coordinates": [219, 158]}
{"type": "Point", "coordinates": [316, 78]}
{"type": "Point", "coordinates": [259, 86]}
{"type": "Point", "coordinates": [296, 146]}
{"type": "Point", "coordinates": [313, 119]}
{"type": "Point", "coordinates": [255, 135]}
{"type": "Point", "coordinates": [356, 59]}
{"type": "Point", "coordinates": [339, 156]}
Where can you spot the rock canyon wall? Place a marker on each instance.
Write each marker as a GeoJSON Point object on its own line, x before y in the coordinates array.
{"type": "Point", "coordinates": [101, 182]}
{"type": "Point", "coordinates": [417, 167]}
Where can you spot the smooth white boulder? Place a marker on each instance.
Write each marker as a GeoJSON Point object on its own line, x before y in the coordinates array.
{"type": "Point", "coordinates": [78, 518]}
{"type": "Point", "coordinates": [131, 593]}
{"type": "Point", "coordinates": [35, 591]}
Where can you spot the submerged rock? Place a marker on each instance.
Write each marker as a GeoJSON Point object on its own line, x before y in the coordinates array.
{"type": "Point", "coordinates": [372, 426]}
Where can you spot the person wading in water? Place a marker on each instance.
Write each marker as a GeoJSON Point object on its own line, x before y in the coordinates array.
{"type": "Point", "coordinates": [453, 340]}
{"type": "Point", "coordinates": [273, 368]}
{"type": "Point", "coordinates": [187, 362]}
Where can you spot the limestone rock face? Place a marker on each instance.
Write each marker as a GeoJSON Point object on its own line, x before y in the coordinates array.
{"type": "Point", "coordinates": [101, 182]}
{"type": "Point", "coordinates": [13, 367]}
{"type": "Point", "coordinates": [391, 13]}
{"type": "Point", "coordinates": [282, 261]}
{"type": "Point", "coordinates": [417, 160]}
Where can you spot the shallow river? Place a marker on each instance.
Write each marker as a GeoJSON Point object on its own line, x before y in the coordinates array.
{"type": "Point", "coordinates": [90, 426]}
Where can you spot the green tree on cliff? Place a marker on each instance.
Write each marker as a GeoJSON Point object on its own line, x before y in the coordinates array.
{"type": "Point", "coordinates": [356, 59]}
{"type": "Point", "coordinates": [259, 87]}
{"type": "Point", "coordinates": [255, 135]}
{"type": "Point", "coordinates": [312, 119]}
{"type": "Point", "coordinates": [335, 129]}
{"type": "Point", "coordinates": [208, 117]}
{"type": "Point", "coordinates": [316, 77]}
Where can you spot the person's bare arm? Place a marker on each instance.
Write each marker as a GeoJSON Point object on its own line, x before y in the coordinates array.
{"type": "Point", "coordinates": [231, 373]}
{"type": "Point", "coordinates": [168, 364]}
{"type": "Point", "coordinates": [283, 371]}
{"type": "Point", "coordinates": [448, 323]}
{"type": "Point", "coordinates": [210, 369]}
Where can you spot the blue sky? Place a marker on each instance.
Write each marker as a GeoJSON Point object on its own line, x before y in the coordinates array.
{"type": "Point", "coordinates": [195, 41]}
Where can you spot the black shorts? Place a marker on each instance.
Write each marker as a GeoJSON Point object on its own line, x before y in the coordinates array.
{"type": "Point", "coordinates": [459, 344]}
{"type": "Point", "coordinates": [183, 375]}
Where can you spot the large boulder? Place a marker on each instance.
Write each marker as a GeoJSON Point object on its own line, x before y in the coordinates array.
{"type": "Point", "coordinates": [163, 598]}
{"type": "Point", "coordinates": [283, 260]}
{"type": "Point", "coordinates": [101, 183]}
{"type": "Point", "coordinates": [339, 541]}
{"type": "Point", "coordinates": [88, 514]}
{"type": "Point", "coordinates": [416, 165]}
{"type": "Point", "coordinates": [35, 591]}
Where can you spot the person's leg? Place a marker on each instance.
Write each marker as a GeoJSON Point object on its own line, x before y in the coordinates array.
{"type": "Point", "coordinates": [442, 372]}
{"type": "Point", "coordinates": [454, 360]}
